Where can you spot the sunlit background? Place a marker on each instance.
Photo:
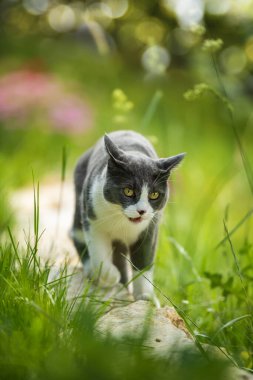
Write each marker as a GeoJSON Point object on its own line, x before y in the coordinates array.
{"type": "Point", "coordinates": [61, 61]}
{"type": "Point", "coordinates": [71, 71]}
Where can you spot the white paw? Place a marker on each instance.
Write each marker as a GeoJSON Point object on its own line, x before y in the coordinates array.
{"type": "Point", "coordinates": [148, 297]}
{"type": "Point", "coordinates": [109, 276]}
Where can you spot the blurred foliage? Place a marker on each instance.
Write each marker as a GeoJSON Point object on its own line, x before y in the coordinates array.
{"type": "Point", "coordinates": [162, 32]}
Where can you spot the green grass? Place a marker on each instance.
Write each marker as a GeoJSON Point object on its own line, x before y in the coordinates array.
{"type": "Point", "coordinates": [43, 336]}
{"type": "Point", "coordinates": [204, 270]}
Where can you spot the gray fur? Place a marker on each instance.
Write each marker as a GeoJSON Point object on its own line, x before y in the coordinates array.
{"type": "Point", "coordinates": [119, 254]}
{"type": "Point", "coordinates": [142, 252]}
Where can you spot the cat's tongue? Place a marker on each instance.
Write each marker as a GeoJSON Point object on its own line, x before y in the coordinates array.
{"type": "Point", "coordinates": [135, 220]}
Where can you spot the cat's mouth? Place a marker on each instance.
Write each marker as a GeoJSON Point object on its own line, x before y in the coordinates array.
{"type": "Point", "coordinates": [136, 220]}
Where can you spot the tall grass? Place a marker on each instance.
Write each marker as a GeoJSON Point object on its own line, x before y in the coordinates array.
{"type": "Point", "coordinates": [40, 338]}
{"type": "Point", "coordinates": [226, 304]}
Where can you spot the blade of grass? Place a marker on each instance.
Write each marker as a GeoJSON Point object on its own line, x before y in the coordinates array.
{"type": "Point", "coordinates": [13, 245]}
{"type": "Point", "coordinates": [64, 164]}
{"type": "Point", "coordinates": [231, 323]}
{"type": "Point", "coordinates": [236, 227]}
{"type": "Point", "coordinates": [36, 215]}
{"type": "Point", "coordinates": [233, 253]}
{"type": "Point", "coordinates": [238, 268]}
{"type": "Point", "coordinates": [245, 160]}
{"type": "Point", "coordinates": [137, 275]}
{"type": "Point", "coordinates": [152, 107]}
{"type": "Point", "coordinates": [182, 251]}
{"type": "Point", "coordinates": [63, 176]}
{"type": "Point", "coordinates": [59, 279]}
{"type": "Point", "coordinates": [10, 285]}
{"type": "Point", "coordinates": [43, 312]}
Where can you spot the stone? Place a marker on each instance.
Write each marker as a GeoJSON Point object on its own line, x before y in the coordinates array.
{"type": "Point", "coordinates": [165, 327]}
{"type": "Point", "coordinates": [166, 333]}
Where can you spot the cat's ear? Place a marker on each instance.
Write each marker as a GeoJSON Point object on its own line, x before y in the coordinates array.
{"type": "Point", "coordinates": [115, 153]}
{"type": "Point", "coordinates": [170, 163]}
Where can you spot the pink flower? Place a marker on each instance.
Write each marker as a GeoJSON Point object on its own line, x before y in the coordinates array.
{"type": "Point", "coordinates": [27, 92]}
{"type": "Point", "coordinates": [71, 114]}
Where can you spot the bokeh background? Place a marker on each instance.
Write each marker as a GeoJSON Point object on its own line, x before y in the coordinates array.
{"type": "Point", "coordinates": [71, 71]}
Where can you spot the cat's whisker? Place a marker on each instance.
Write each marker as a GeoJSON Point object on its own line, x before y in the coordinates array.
{"type": "Point", "coordinates": [160, 177]}
{"type": "Point", "coordinates": [101, 221]}
{"type": "Point", "coordinates": [160, 181]}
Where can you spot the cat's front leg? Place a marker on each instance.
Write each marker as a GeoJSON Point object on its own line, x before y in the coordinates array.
{"type": "Point", "coordinates": [142, 255]}
{"type": "Point", "coordinates": [143, 288]}
{"type": "Point", "coordinates": [100, 252]}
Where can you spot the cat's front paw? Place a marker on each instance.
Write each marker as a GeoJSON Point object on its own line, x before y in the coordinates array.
{"type": "Point", "coordinates": [109, 276]}
{"type": "Point", "coordinates": [148, 297]}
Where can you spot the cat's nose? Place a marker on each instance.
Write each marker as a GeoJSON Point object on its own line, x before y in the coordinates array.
{"type": "Point", "coordinates": [141, 212]}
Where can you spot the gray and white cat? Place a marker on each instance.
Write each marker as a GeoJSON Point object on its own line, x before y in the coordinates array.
{"type": "Point", "coordinates": [121, 189]}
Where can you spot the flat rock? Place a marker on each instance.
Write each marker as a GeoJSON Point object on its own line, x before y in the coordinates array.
{"type": "Point", "coordinates": [165, 327]}
{"type": "Point", "coordinates": [166, 332]}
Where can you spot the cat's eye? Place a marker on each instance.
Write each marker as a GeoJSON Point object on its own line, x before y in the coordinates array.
{"type": "Point", "coordinates": [154, 195]}
{"type": "Point", "coordinates": [128, 192]}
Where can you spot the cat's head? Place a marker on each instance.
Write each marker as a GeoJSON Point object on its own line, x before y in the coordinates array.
{"type": "Point", "coordinates": [139, 184]}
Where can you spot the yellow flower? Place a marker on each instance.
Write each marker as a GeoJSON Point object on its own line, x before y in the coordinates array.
{"type": "Point", "coordinates": [212, 45]}
{"type": "Point", "coordinates": [121, 102]}
{"type": "Point", "coordinates": [118, 95]}
{"type": "Point", "coordinates": [197, 29]}
{"type": "Point", "coordinates": [196, 92]}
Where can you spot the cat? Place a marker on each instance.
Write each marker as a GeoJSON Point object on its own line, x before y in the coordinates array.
{"type": "Point", "coordinates": [121, 188]}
